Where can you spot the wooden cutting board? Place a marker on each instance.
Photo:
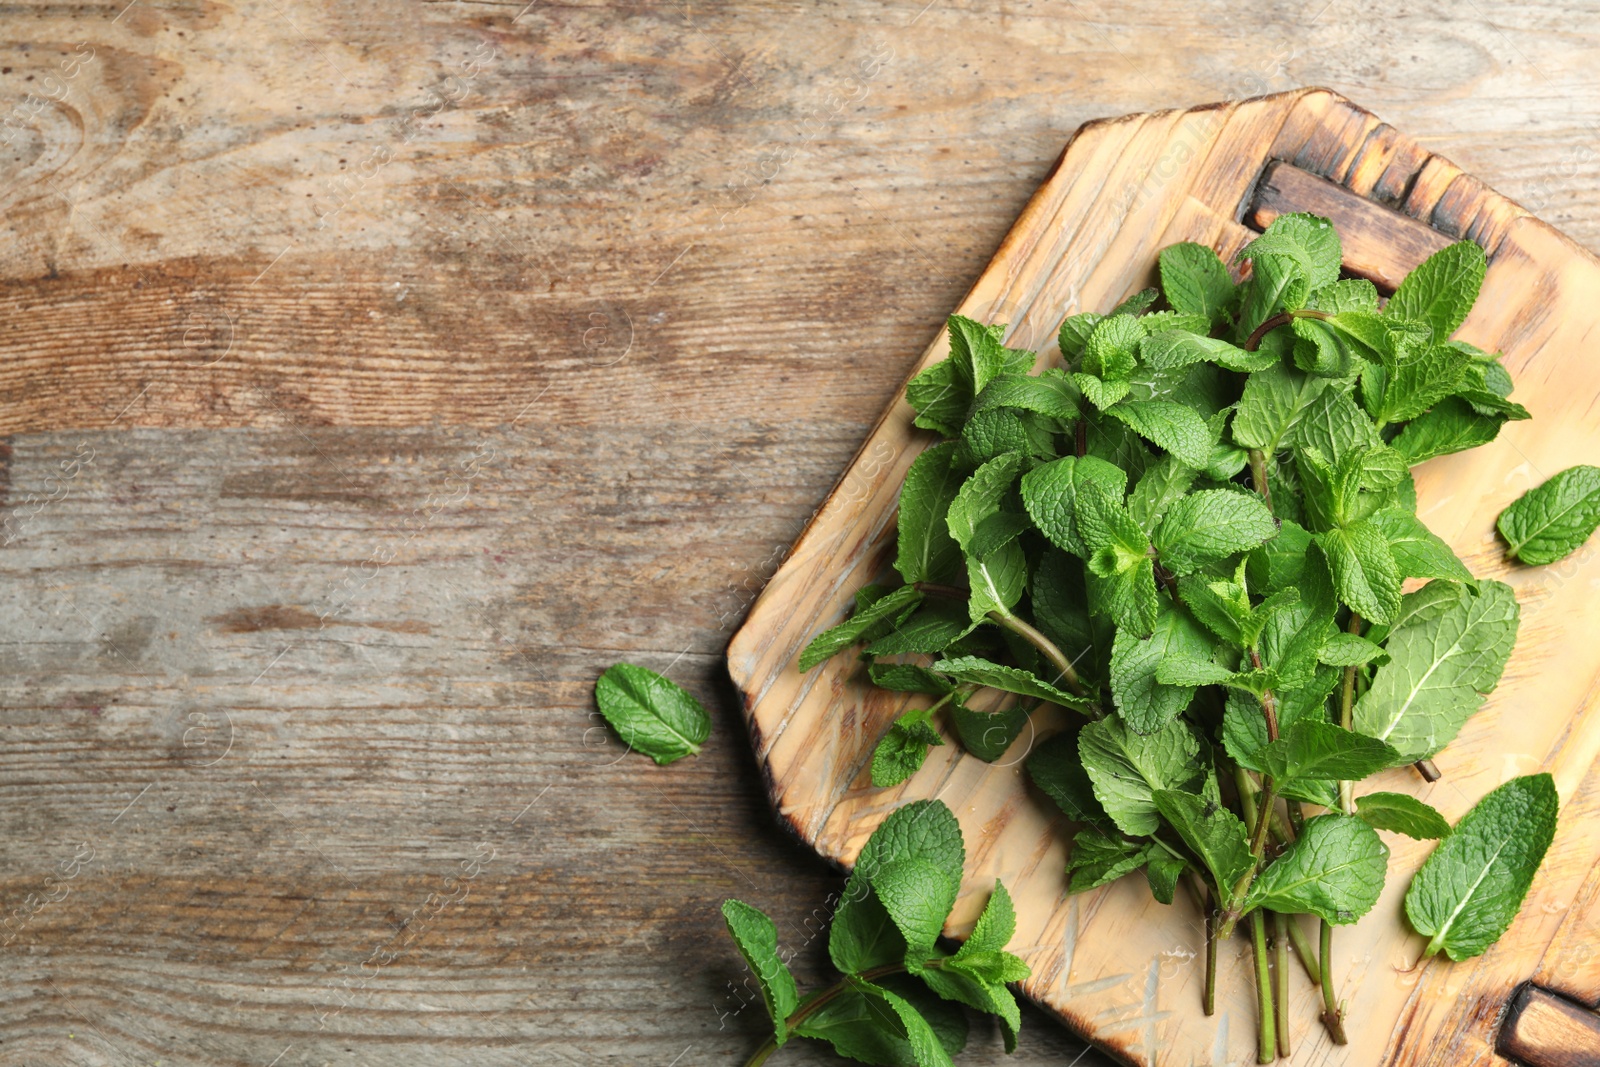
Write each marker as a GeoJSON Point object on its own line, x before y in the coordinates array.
{"type": "Point", "coordinates": [1112, 964]}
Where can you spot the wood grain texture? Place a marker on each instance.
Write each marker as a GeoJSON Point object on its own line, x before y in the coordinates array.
{"type": "Point", "coordinates": [709, 244]}
{"type": "Point", "coordinates": [1541, 1029]}
{"type": "Point", "coordinates": [1115, 965]}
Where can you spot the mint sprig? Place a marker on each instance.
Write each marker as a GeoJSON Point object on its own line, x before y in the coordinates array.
{"type": "Point", "coordinates": [1194, 533]}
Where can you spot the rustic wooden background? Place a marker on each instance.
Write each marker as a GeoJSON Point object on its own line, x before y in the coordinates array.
{"type": "Point", "coordinates": [376, 375]}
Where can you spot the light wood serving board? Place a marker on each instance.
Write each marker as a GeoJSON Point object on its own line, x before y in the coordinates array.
{"type": "Point", "coordinates": [1112, 964]}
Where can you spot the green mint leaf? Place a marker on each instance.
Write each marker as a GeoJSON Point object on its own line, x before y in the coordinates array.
{"type": "Point", "coordinates": [927, 552]}
{"type": "Point", "coordinates": [933, 627]}
{"type": "Point", "coordinates": [980, 496]}
{"type": "Point", "coordinates": [1348, 650]}
{"type": "Point", "coordinates": [925, 829]}
{"type": "Point", "coordinates": [1098, 858]}
{"type": "Point", "coordinates": [1212, 832]}
{"type": "Point", "coordinates": [988, 734]}
{"type": "Point", "coordinates": [1074, 334]}
{"type": "Point", "coordinates": [997, 581]}
{"type": "Point", "coordinates": [1333, 870]}
{"type": "Point", "coordinates": [1402, 814]}
{"type": "Point", "coordinates": [1469, 890]}
{"type": "Point", "coordinates": [1211, 525]}
{"type": "Point", "coordinates": [1273, 403]}
{"type": "Point", "coordinates": [1276, 283]}
{"type": "Point", "coordinates": [907, 678]}
{"type": "Point", "coordinates": [893, 608]}
{"type": "Point", "coordinates": [1195, 280]}
{"type": "Point", "coordinates": [918, 894]}
{"type": "Point", "coordinates": [1441, 291]}
{"type": "Point", "coordinates": [1138, 303]}
{"type": "Point", "coordinates": [1145, 703]}
{"type": "Point", "coordinates": [651, 714]}
{"type": "Point", "coordinates": [757, 939]}
{"type": "Point", "coordinates": [941, 396]}
{"type": "Point", "coordinates": [1244, 730]}
{"type": "Point", "coordinates": [994, 927]}
{"type": "Point", "coordinates": [1551, 521]}
{"type": "Point", "coordinates": [1191, 673]}
{"type": "Point", "coordinates": [1324, 752]}
{"type": "Point", "coordinates": [1344, 296]}
{"type": "Point", "coordinates": [903, 750]}
{"type": "Point", "coordinates": [1442, 657]}
{"type": "Point", "coordinates": [1101, 394]}
{"type": "Point", "coordinates": [1417, 550]}
{"type": "Point", "coordinates": [1365, 574]}
{"type": "Point", "coordinates": [873, 1025]}
{"type": "Point", "coordinates": [1171, 349]}
{"type": "Point", "coordinates": [1415, 380]}
{"type": "Point", "coordinates": [1126, 768]}
{"type": "Point", "coordinates": [984, 996]}
{"type": "Point", "coordinates": [1333, 425]}
{"type": "Point", "coordinates": [981, 348]}
{"type": "Point", "coordinates": [995, 968]}
{"type": "Point", "coordinates": [1051, 394]}
{"type": "Point", "coordinates": [1050, 493]}
{"type": "Point", "coordinates": [1061, 609]}
{"type": "Point", "coordinates": [979, 671]}
{"type": "Point", "coordinates": [1128, 597]}
{"type": "Point", "coordinates": [1162, 486]}
{"type": "Point", "coordinates": [1451, 426]}
{"type": "Point", "coordinates": [1163, 872]}
{"type": "Point", "coordinates": [1112, 351]}
{"type": "Point", "coordinates": [997, 531]}
{"type": "Point", "coordinates": [1308, 240]}
{"type": "Point", "coordinates": [995, 432]}
{"type": "Point", "coordinates": [863, 936]}
{"type": "Point", "coordinates": [1057, 769]}
{"type": "Point", "coordinates": [1174, 427]}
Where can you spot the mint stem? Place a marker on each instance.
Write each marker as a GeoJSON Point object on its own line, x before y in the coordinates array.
{"type": "Point", "coordinates": [816, 1001]}
{"type": "Point", "coordinates": [1347, 802]}
{"type": "Point", "coordinates": [1258, 475]}
{"type": "Point", "coordinates": [1280, 964]}
{"type": "Point", "coordinates": [1282, 318]}
{"type": "Point", "coordinates": [1428, 769]}
{"type": "Point", "coordinates": [1210, 1002]}
{"type": "Point", "coordinates": [1332, 1016]}
{"type": "Point", "coordinates": [1266, 1036]}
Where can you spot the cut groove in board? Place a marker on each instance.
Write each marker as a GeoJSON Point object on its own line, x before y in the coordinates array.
{"type": "Point", "coordinates": [1112, 964]}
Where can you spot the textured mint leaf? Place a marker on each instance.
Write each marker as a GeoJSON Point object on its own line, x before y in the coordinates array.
{"type": "Point", "coordinates": [1211, 525]}
{"type": "Point", "coordinates": [1333, 425]}
{"type": "Point", "coordinates": [1551, 521]}
{"type": "Point", "coordinates": [1171, 349]}
{"type": "Point", "coordinates": [907, 678]}
{"type": "Point", "coordinates": [1050, 493]}
{"type": "Point", "coordinates": [1416, 380]}
{"type": "Point", "coordinates": [862, 935]}
{"type": "Point", "coordinates": [1442, 657]}
{"type": "Point", "coordinates": [979, 671]}
{"type": "Point", "coordinates": [895, 606]}
{"type": "Point", "coordinates": [1161, 486]}
{"type": "Point", "coordinates": [1222, 607]}
{"type": "Point", "coordinates": [993, 433]}
{"type": "Point", "coordinates": [1212, 832]}
{"type": "Point", "coordinates": [988, 734]}
{"type": "Point", "coordinates": [1052, 393]}
{"type": "Point", "coordinates": [1126, 768]}
{"type": "Point", "coordinates": [757, 939]}
{"type": "Point", "coordinates": [651, 714]}
{"type": "Point", "coordinates": [1195, 280]}
{"type": "Point", "coordinates": [1324, 752]}
{"type": "Point", "coordinates": [1273, 403]}
{"type": "Point", "coordinates": [1098, 858]}
{"type": "Point", "coordinates": [1074, 334]}
{"type": "Point", "coordinates": [918, 894]}
{"type": "Point", "coordinates": [934, 626]}
{"type": "Point", "coordinates": [1112, 351]}
{"type": "Point", "coordinates": [927, 552]}
{"type": "Point", "coordinates": [1244, 730]}
{"type": "Point", "coordinates": [988, 997]}
{"type": "Point", "coordinates": [1451, 426]}
{"type": "Point", "coordinates": [1172, 426]}
{"type": "Point", "coordinates": [995, 968]}
{"type": "Point", "coordinates": [1144, 703]}
{"type": "Point", "coordinates": [1308, 240]}
{"type": "Point", "coordinates": [997, 581]}
{"type": "Point", "coordinates": [1127, 597]}
{"type": "Point", "coordinates": [1333, 870]}
{"type": "Point", "coordinates": [941, 396]}
{"type": "Point", "coordinates": [1402, 814]}
{"type": "Point", "coordinates": [873, 1025]}
{"type": "Point", "coordinates": [1163, 872]}
{"type": "Point", "coordinates": [1470, 889]}
{"type": "Point", "coordinates": [1061, 609]}
{"type": "Point", "coordinates": [1417, 550]}
{"type": "Point", "coordinates": [1348, 650]}
{"type": "Point", "coordinates": [1138, 303]}
{"type": "Point", "coordinates": [1102, 394]}
{"type": "Point", "coordinates": [1057, 769]}
{"type": "Point", "coordinates": [1441, 291]}
{"type": "Point", "coordinates": [994, 927]}
{"type": "Point", "coordinates": [903, 750]}
{"type": "Point", "coordinates": [1115, 541]}
{"type": "Point", "coordinates": [998, 530]}
{"type": "Point", "coordinates": [1276, 283]}
{"type": "Point", "coordinates": [1183, 671]}
{"type": "Point", "coordinates": [984, 353]}
{"type": "Point", "coordinates": [1365, 574]}
{"type": "Point", "coordinates": [981, 496]}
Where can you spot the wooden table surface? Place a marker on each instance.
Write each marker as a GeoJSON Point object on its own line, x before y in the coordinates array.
{"type": "Point", "coordinates": [374, 376]}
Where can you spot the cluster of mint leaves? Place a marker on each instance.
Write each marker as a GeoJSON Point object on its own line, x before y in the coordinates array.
{"type": "Point", "coordinates": [901, 1000]}
{"type": "Point", "coordinates": [1194, 532]}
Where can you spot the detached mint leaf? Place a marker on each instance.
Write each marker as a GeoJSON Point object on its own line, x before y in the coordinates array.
{"type": "Point", "coordinates": [1195, 280]}
{"type": "Point", "coordinates": [1365, 574]}
{"type": "Point", "coordinates": [1402, 814]}
{"type": "Point", "coordinates": [651, 714]}
{"type": "Point", "coordinates": [1441, 291]}
{"type": "Point", "coordinates": [1333, 870]}
{"type": "Point", "coordinates": [757, 939]}
{"type": "Point", "coordinates": [1470, 889]}
{"type": "Point", "coordinates": [1212, 832]}
{"type": "Point", "coordinates": [1175, 427]}
{"type": "Point", "coordinates": [904, 749]}
{"type": "Point", "coordinates": [894, 606]}
{"type": "Point", "coordinates": [1442, 658]}
{"type": "Point", "coordinates": [1551, 521]}
{"type": "Point", "coordinates": [1127, 768]}
{"type": "Point", "coordinates": [1211, 525]}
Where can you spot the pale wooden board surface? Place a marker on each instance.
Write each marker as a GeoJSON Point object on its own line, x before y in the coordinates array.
{"type": "Point", "coordinates": [1113, 963]}
{"type": "Point", "coordinates": [585, 171]}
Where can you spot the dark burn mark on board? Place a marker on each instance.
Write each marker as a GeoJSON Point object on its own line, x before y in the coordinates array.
{"type": "Point", "coordinates": [289, 617]}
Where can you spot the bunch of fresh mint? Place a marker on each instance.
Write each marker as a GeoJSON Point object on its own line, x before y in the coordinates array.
{"type": "Point", "coordinates": [1193, 532]}
{"type": "Point", "coordinates": [900, 1001]}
